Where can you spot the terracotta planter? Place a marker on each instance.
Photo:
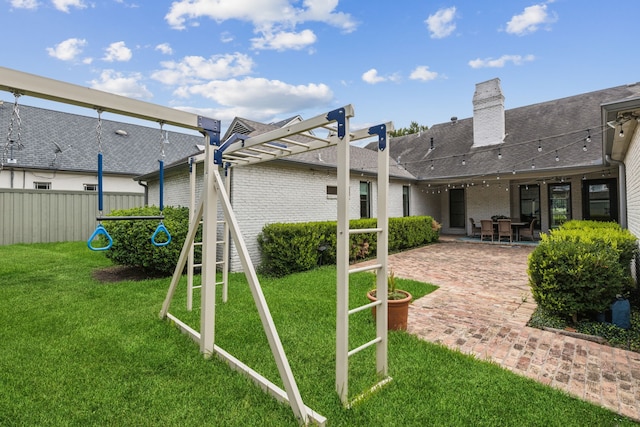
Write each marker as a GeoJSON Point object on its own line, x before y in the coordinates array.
{"type": "Point", "coordinates": [398, 310]}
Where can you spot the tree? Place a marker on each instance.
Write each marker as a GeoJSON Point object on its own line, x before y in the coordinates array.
{"type": "Point", "coordinates": [414, 127]}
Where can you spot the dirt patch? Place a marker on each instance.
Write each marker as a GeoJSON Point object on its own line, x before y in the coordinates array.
{"type": "Point", "coordinates": [119, 273]}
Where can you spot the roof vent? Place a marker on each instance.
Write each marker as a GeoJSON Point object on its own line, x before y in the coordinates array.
{"type": "Point", "coordinates": [121, 132]}
{"type": "Point", "coordinates": [454, 119]}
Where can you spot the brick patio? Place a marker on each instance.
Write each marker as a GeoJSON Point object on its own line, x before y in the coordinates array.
{"type": "Point", "coordinates": [482, 308]}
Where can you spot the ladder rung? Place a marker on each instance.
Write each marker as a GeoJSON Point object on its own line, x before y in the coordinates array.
{"type": "Point", "coordinates": [219, 262]}
{"type": "Point", "coordinates": [196, 287]}
{"type": "Point", "coordinates": [221, 222]}
{"type": "Point", "coordinates": [197, 265]}
{"type": "Point", "coordinates": [365, 268]}
{"type": "Point", "coordinates": [364, 307]}
{"type": "Point", "coordinates": [365, 230]}
{"type": "Point", "coordinates": [363, 346]}
{"type": "Point", "coordinates": [221, 242]}
{"type": "Point", "coordinates": [197, 243]}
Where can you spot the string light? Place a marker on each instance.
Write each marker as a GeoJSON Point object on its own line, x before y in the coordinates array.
{"type": "Point", "coordinates": [621, 134]}
{"type": "Point", "coordinates": [588, 139]}
{"type": "Point", "coordinates": [557, 158]}
{"type": "Point", "coordinates": [533, 165]}
{"type": "Point", "coordinates": [464, 162]}
{"type": "Point", "coordinates": [539, 146]}
{"type": "Point", "coordinates": [499, 153]}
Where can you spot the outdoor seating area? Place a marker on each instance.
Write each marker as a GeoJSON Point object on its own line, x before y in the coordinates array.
{"type": "Point", "coordinates": [503, 230]}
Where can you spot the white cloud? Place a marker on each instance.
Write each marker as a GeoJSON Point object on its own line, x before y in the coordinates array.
{"type": "Point", "coordinates": [259, 13]}
{"type": "Point", "coordinates": [164, 48]}
{"type": "Point", "coordinates": [116, 82]}
{"type": "Point", "coordinates": [259, 97]}
{"type": "Point", "coordinates": [284, 40]}
{"type": "Point", "coordinates": [273, 20]}
{"type": "Point", "coordinates": [25, 4]}
{"type": "Point", "coordinates": [500, 62]}
{"type": "Point", "coordinates": [197, 69]}
{"type": "Point", "coordinates": [64, 5]}
{"type": "Point", "coordinates": [423, 73]}
{"type": "Point", "coordinates": [117, 51]}
{"type": "Point", "coordinates": [226, 37]}
{"type": "Point", "coordinates": [530, 20]}
{"type": "Point", "coordinates": [372, 77]}
{"type": "Point", "coordinates": [441, 23]}
{"type": "Point", "coordinates": [67, 50]}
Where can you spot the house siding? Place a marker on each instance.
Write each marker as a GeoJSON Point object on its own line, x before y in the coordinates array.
{"type": "Point", "coordinates": [632, 163]}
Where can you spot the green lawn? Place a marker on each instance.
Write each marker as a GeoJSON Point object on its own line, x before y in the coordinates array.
{"type": "Point", "coordinates": [76, 352]}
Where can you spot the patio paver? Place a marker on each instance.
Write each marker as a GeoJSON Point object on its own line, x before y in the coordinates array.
{"type": "Point", "coordinates": [482, 307]}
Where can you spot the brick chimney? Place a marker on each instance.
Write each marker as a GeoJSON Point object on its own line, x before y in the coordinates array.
{"type": "Point", "coordinates": [488, 114]}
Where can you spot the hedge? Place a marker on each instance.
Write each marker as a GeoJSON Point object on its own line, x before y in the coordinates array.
{"type": "Point", "coordinates": [292, 247]}
{"type": "Point", "coordinates": [132, 239]}
{"type": "Point", "coordinates": [579, 268]}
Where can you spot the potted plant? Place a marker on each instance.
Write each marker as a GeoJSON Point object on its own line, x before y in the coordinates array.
{"type": "Point", "coordinates": [397, 304]}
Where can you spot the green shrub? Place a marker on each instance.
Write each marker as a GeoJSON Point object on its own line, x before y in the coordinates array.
{"type": "Point", "coordinates": [579, 268]}
{"type": "Point", "coordinates": [290, 248]}
{"type": "Point", "coordinates": [132, 239]}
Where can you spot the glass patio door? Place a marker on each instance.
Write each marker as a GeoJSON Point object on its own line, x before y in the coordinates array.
{"type": "Point", "coordinates": [559, 204]}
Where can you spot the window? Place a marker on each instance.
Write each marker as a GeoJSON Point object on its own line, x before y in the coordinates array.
{"type": "Point", "coordinates": [332, 191]}
{"type": "Point", "coordinates": [456, 208]}
{"type": "Point", "coordinates": [530, 203]}
{"type": "Point", "coordinates": [365, 199]}
{"type": "Point", "coordinates": [600, 200]}
{"type": "Point", "coordinates": [559, 204]}
{"type": "Point", "coordinates": [90, 187]}
{"type": "Point", "coordinates": [42, 185]}
{"type": "Point", "coordinates": [405, 200]}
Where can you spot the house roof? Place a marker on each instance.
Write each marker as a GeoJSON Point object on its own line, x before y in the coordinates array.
{"type": "Point", "coordinates": [560, 127]}
{"type": "Point", "coordinates": [54, 140]}
{"type": "Point", "coordinates": [362, 160]}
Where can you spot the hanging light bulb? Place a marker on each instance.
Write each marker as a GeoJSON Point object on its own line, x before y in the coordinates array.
{"type": "Point", "coordinates": [464, 162]}
{"type": "Point", "coordinates": [499, 153]}
{"type": "Point", "coordinates": [533, 165]}
{"type": "Point", "coordinates": [621, 134]}
{"type": "Point", "coordinates": [513, 171]}
{"type": "Point", "coordinates": [588, 139]}
{"type": "Point", "coordinates": [539, 146]}
{"type": "Point", "coordinates": [584, 147]}
{"type": "Point", "coordinates": [557, 158]}
{"type": "Point", "coordinates": [431, 164]}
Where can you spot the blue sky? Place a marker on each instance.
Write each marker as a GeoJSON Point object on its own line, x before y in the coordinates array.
{"type": "Point", "coordinates": [400, 61]}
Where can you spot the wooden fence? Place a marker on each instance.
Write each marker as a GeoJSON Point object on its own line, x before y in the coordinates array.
{"type": "Point", "coordinates": [32, 216]}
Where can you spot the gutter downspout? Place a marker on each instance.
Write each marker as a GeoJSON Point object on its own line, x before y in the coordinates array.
{"type": "Point", "coordinates": [146, 193]}
{"type": "Point", "coordinates": [622, 189]}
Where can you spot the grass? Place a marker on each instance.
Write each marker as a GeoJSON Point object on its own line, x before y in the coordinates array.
{"type": "Point", "coordinates": [76, 352]}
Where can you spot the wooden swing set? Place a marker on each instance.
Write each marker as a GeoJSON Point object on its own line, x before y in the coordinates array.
{"type": "Point", "coordinates": [241, 151]}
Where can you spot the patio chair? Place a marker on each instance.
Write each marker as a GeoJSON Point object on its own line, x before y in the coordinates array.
{"type": "Point", "coordinates": [475, 229]}
{"type": "Point", "coordinates": [504, 230]}
{"type": "Point", "coordinates": [486, 229]}
{"type": "Point", "coordinates": [528, 232]}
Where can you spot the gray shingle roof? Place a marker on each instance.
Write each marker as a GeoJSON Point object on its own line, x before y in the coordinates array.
{"type": "Point", "coordinates": [62, 141]}
{"type": "Point", "coordinates": [561, 125]}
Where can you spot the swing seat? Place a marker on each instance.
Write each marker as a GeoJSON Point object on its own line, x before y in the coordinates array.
{"type": "Point", "coordinates": [100, 231]}
{"type": "Point", "coordinates": [161, 229]}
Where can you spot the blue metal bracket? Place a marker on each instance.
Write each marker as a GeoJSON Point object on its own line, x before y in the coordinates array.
{"type": "Point", "coordinates": [217, 156]}
{"type": "Point", "coordinates": [208, 124]}
{"type": "Point", "coordinates": [339, 116]}
{"type": "Point", "coordinates": [381, 131]}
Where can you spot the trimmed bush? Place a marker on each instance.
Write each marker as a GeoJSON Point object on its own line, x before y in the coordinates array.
{"type": "Point", "coordinates": [290, 248]}
{"type": "Point", "coordinates": [132, 239]}
{"type": "Point", "coordinates": [579, 269]}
